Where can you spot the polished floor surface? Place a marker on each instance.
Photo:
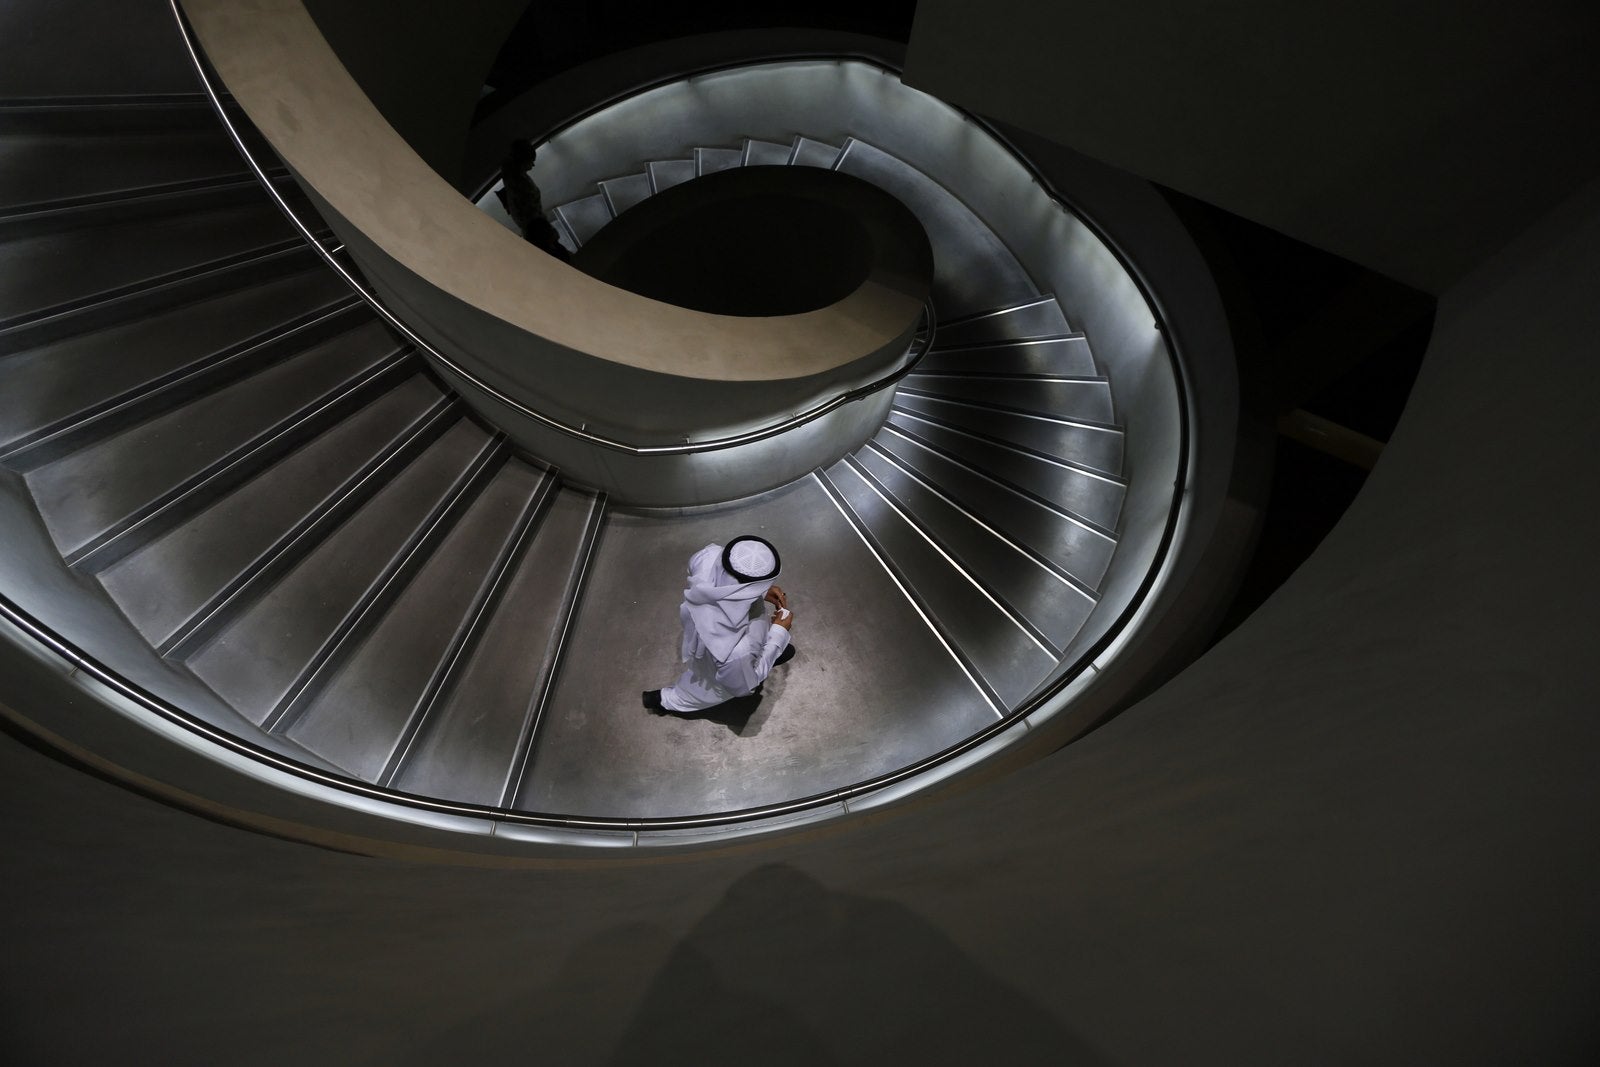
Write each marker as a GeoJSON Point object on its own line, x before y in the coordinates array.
{"type": "Point", "coordinates": [869, 690]}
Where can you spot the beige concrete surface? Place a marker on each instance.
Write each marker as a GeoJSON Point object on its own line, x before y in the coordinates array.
{"type": "Point", "coordinates": [289, 82]}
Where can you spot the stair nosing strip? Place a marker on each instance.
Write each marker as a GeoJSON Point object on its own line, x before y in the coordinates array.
{"type": "Point", "coordinates": [526, 750]}
{"type": "Point", "coordinates": [174, 190]}
{"type": "Point", "coordinates": [1062, 575]}
{"type": "Point", "coordinates": [1083, 424]}
{"type": "Point", "coordinates": [1021, 450]}
{"type": "Point", "coordinates": [1015, 342]}
{"type": "Point", "coordinates": [79, 430]}
{"type": "Point", "coordinates": [219, 610]}
{"type": "Point", "coordinates": [463, 645]}
{"type": "Point", "coordinates": [150, 287]}
{"type": "Point", "coordinates": [1014, 376]}
{"type": "Point", "coordinates": [1012, 615]}
{"type": "Point", "coordinates": [1016, 490]}
{"type": "Point", "coordinates": [237, 465]}
{"type": "Point", "coordinates": [878, 553]}
{"type": "Point", "coordinates": [979, 316]}
{"type": "Point", "coordinates": [389, 583]}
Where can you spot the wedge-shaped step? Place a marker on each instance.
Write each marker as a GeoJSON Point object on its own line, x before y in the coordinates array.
{"type": "Point", "coordinates": [1031, 319]}
{"type": "Point", "coordinates": [1090, 495]}
{"type": "Point", "coordinates": [54, 273]}
{"type": "Point", "coordinates": [189, 576]}
{"type": "Point", "coordinates": [1083, 400]}
{"type": "Point", "coordinates": [1097, 448]}
{"type": "Point", "coordinates": [1006, 656]}
{"type": "Point", "coordinates": [38, 167]}
{"type": "Point", "coordinates": [1066, 541]}
{"type": "Point", "coordinates": [275, 647]}
{"type": "Point", "coordinates": [1033, 588]}
{"type": "Point", "coordinates": [665, 173]}
{"type": "Point", "coordinates": [1065, 357]}
{"type": "Point", "coordinates": [622, 193]}
{"type": "Point", "coordinates": [57, 386]}
{"type": "Point", "coordinates": [472, 749]}
{"type": "Point", "coordinates": [585, 218]}
{"type": "Point", "coordinates": [386, 685]}
{"type": "Point", "coordinates": [88, 497]}
{"type": "Point", "coordinates": [711, 160]}
{"type": "Point", "coordinates": [807, 152]}
{"type": "Point", "coordinates": [972, 269]}
{"type": "Point", "coordinates": [766, 153]}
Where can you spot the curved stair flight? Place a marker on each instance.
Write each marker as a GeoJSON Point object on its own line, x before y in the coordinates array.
{"type": "Point", "coordinates": [281, 499]}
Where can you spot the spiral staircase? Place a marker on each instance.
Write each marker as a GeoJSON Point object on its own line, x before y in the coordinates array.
{"type": "Point", "coordinates": [291, 510]}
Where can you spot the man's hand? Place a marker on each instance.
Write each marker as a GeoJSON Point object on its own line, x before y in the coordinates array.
{"type": "Point", "coordinates": [776, 597]}
{"type": "Point", "coordinates": [784, 618]}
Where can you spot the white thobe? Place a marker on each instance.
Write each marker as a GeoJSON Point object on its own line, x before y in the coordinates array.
{"type": "Point", "coordinates": [705, 682]}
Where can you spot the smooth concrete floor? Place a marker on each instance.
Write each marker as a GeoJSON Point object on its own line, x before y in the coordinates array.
{"type": "Point", "coordinates": [870, 689]}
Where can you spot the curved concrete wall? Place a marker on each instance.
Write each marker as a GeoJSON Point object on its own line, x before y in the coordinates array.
{"type": "Point", "coordinates": [553, 339]}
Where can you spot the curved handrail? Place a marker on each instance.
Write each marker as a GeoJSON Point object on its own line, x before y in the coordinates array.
{"type": "Point", "coordinates": [922, 338]}
{"type": "Point", "coordinates": [78, 661]}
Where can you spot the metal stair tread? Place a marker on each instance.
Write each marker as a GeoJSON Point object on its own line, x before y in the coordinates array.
{"type": "Point", "coordinates": [467, 751]}
{"type": "Point", "coordinates": [1007, 657]}
{"type": "Point", "coordinates": [586, 216]}
{"type": "Point", "coordinates": [1030, 320]}
{"type": "Point", "coordinates": [56, 383]}
{"type": "Point", "coordinates": [255, 662]}
{"type": "Point", "coordinates": [362, 713]}
{"type": "Point", "coordinates": [1085, 401]}
{"type": "Point", "coordinates": [665, 173]}
{"type": "Point", "coordinates": [1095, 499]}
{"type": "Point", "coordinates": [758, 153]}
{"type": "Point", "coordinates": [1069, 543]}
{"type": "Point", "coordinates": [162, 585]}
{"type": "Point", "coordinates": [1096, 448]}
{"type": "Point", "coordinates": [44, 272]}
{"type": "Point", "coordinates": [1068, 357]}
{"type": "Point", "coordinates": [810, 152]}
{"type": "Point", "coordinates": [1053, 605]}
{"type": "Point", "coordinates": [972, 268]}
{"type": "Point", "coordinates": [708, 159]}
{"type": "Point", "coordinates": [87, 493]}
{"type": "Point", "coordinates": [38, 166]}
{"type": "Point", "coordinates": [626, 191]}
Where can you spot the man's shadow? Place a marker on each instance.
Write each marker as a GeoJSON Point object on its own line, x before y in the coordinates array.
{"type": "Point", "coordinates": [740, 715]}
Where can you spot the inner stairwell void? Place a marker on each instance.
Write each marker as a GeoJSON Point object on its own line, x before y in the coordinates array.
{"type": "Point", "coordinates": [309, 530]}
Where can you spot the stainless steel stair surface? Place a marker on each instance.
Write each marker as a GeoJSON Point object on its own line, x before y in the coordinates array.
{"type": "Point", "coordinates": [666, 173]}
{"type": "Point", "coordinates": [287, 507]}
{"type": "Point", "coordinates": [1095, 447]}
{"type": "Point", "coordinates": [97, 494]}
{"type": "Point", "coordinates": [476, 745]}
{"type": "Point", "coordinates": [870, 689]}
{"type": "Point", "coordinates": [178, 587]}
{"type": "Point", "coordinates": [57, 155]}
{"type": "Point", "coordinates": [385, 686]}
{"type": "Point", "coordinates": [54, 390]}
{"type": "Point", "coordinates": [53, 273]}
{"type": "Point", "coordinates": [271, 657]}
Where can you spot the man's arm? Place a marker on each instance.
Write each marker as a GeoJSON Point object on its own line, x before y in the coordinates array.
{"type": "Point", "coordinates": [752, 661]}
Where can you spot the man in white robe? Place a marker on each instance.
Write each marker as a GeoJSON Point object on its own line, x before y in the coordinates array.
{"type": "Point", "coordinates": [729, 647]}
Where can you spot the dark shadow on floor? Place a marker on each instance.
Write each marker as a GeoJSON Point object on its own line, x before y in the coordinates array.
{"type": "Point", "coordinates": [784, 971]}
{"type": "Point", "coordinates": [738, 715]}
{"type": "Point", "coordinates": [781, 971]}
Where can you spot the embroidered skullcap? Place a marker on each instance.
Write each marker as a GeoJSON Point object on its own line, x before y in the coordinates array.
{"type": "Point", "coordinates": [750, 559]}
